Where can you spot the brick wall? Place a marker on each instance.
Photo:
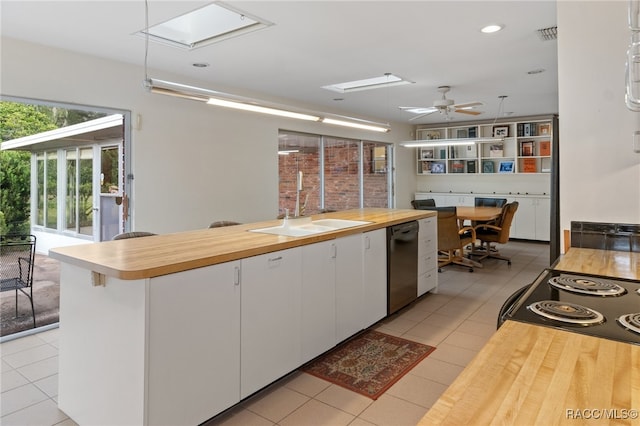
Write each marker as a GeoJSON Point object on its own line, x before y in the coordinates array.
{"type": "Point", "coordinates": [341, 178]}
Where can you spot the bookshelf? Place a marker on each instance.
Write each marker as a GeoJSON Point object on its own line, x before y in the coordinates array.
{"type": "Point", "coordinates": [525, 148]}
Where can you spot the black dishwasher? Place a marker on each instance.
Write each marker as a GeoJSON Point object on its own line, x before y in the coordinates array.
{"type": "Point", "coordinates": [402, 265]}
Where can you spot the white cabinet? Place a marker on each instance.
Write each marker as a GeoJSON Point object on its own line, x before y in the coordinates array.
{"type": "Point", "coordinates": [427, 255]}
{"type": "Point", "coordinates": [374, 276]}
{"type": "Point", "coordinates": [318, 298]}
{"type": "Point", "coordinates": [193, 344]}
{"type": "Point", "coordinates": [532, 220]}
{"type": "Point", "coordinates": [349, 286]}
{"type": "Point", "coordinates": [270, 318]}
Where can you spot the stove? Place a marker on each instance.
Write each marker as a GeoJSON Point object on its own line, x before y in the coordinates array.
{"type": "Point", "coordinates": [588, 304]}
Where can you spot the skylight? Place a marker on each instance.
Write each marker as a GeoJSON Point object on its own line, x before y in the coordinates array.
{"type": "Point", "coordinates": [209, 24]}
{"type": "Point", "coordinates": [368, 83]}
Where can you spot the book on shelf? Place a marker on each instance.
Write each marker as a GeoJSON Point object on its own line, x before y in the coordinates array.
{"type": "Point", "coordinates": [544, 129]}
{"type": "Point", "coordinates": [457, 166]}
{"type": "Point", "coordinates": [526, 148]}
{"type": "Point", "coordinates": [438, 167]}
{"type": "Point", "coordinates": [487, 166]}
{"type": "Point", "coordinates": [529, 165]}
{"type": "Point", "coordinates": [545, 148]}
{"type": "Point", "coordinates": [471, 166]}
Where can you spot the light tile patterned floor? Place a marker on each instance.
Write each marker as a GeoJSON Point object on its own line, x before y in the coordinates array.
{"type": "Point", "coordinates": [457, 321]}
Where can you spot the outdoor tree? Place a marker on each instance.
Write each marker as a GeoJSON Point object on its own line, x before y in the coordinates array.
{"type": "Point", "coordinates": [18, 120]}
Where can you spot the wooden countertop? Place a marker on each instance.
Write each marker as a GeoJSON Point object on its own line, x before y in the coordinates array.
{"type": "Point", "coordinates": [528, 374]}
{"type": "Point", "coordinates": [619, 264]}
{"type": "Point", "coordinates": [147, 257]}
{"type": "Point", "coordinates": [532, 375]}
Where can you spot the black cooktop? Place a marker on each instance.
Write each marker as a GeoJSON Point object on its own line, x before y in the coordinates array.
{"type": "Point", "coordinates": [588, 304]}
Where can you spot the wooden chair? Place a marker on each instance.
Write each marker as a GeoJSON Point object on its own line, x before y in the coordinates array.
{"type": "Point", "coordinates": [222, 223]}
{"type": "Point", "coordinates": [452, 239]}
{"type": "Point", "coordinates": [17, 260]}
{"type": "Point", "coordinates": [495, 233]}
{"type": "Point", "coordinates": [133, 234]}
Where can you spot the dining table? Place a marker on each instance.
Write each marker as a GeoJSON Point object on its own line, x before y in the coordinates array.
{"type": "Point", "coordinates": [475, 215]}
{"type": "Point", "coordinates": [478, 214]}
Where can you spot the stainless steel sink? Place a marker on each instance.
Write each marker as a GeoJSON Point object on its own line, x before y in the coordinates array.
{"type": "Point", "coordinates": [302, 228]}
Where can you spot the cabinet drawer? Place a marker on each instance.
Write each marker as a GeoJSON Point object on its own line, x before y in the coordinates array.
{"type": "Point", "coordinates": [427, 281]}
{"type": "Point", "coordinates": [427, 262]}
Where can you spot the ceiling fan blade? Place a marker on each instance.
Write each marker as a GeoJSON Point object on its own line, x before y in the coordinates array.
{"type": "Point", "coordinates": [421, 115]}
{"type": "Point", "coordinates": [467, 105]}
{"type": "Point", "coordinates": [468, 111]}
{"type": "Point", "coordinates": [419, 110]}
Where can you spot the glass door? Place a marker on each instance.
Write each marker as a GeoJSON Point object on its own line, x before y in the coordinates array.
{"type": "Point", "coordinates": [111, 193]}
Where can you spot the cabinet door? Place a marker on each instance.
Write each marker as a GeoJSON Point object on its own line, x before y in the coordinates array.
{"type": "Point", "coordinates": [525, 227]}
{"type": "Point", "coordinates": [375, 276]}
{"type": "Point", "coordinates": [427, 255]}
{"type": "Point", "coordinates": [543, 219]}
{"type": "Point", "coordinates": [318, 299]}
{"type": "Point", "coordinates": [194, 344]}
{"type": "Point", "coordinates": [349, 287]}
{"type": "Point", "coordinates": [270, 318]}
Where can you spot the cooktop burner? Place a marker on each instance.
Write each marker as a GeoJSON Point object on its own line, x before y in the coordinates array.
{"type": "Point", "coordinates": [567, 312]}
{"type": "Point", "coordinates": [594, 305]}
{"type": "Point", "coordinates": [587, 285]}
{"type": "Point", "coordinates": [631, 322]}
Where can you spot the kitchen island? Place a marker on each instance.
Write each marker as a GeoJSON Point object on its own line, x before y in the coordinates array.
{"type": "Point", "coordinates": [533, 375]}
{"type": "Point", "coordinates": [174, 329]}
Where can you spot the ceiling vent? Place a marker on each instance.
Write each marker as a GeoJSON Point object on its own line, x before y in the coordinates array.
{"type": "Point", "coordinates": [547, 34]}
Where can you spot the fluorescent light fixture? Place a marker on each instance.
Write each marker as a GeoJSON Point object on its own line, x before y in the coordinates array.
{"type": "Point", "coordinates": [493, 28]}
{"type": "Point", "coordinates": [261, 109]}
{"type": "Point", "coordinates": [288, 151]}
{"type": "Point", "coordinates": [447, 142]}
{"type": "Point", "coordinates": [356, 125]}
{"type": "Point", "coordinates": [209, 24]}
{"type": "Point", "coordinates": [368, 83]}
{"type": "Point", "coordinates": [213, 97]}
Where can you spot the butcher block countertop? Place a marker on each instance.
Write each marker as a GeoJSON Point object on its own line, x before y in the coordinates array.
{"type": "Point", "coordinates": [139, 258]}
{"type": "Point", "coordinates": [528, 374]}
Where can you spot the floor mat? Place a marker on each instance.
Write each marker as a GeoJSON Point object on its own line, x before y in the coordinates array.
{"type": "Point", "coordinates": [369, 363]}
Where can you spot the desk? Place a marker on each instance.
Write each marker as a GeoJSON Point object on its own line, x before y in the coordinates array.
{"type": "Point", "coordinates": [481, 214]}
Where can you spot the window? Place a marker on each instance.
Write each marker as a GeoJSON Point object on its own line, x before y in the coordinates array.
{"type": "Point", "coordinates": [337, 173]}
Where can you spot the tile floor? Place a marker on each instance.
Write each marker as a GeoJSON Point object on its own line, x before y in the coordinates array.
{"type": "Point", "coordinates": [457, 321]}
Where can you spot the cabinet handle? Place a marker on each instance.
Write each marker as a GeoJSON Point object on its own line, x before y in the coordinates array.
{"type": "Point", "coordinates": [367, 242]}
{"type": "Point", "coordinates": [334, 251]}
{"type": "Point", "coordinates": [236, 276]}
{"type": "Point", "coordinates": [275, 259]}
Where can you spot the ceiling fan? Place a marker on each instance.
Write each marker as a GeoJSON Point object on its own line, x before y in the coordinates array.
{"type": "Point", "coordinates": [444, 106]}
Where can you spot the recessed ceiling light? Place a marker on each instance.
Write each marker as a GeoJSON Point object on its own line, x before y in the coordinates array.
{"type": "Point", "coordinates": [209, 24]}
{"type": "Point", "coordinates": [368, 83]}
{"type": "Point", "coordinates": [493, 28]}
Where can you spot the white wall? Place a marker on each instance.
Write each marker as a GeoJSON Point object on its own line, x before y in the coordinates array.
{"type": "Point", "coordinates": [193, 163]}
{"type": "Point", "coordinates": [599, 172]}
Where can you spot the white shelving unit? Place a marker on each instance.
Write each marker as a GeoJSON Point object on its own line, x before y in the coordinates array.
{"type": "Point", "coordinates": [525, 148]}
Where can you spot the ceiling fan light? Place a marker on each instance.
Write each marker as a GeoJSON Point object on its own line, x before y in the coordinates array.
{"type": "Point", "coordinates": [492, 28]}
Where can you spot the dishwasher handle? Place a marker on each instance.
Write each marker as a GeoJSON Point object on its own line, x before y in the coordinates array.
{"type": "Point", "coordinates": [404, 228]}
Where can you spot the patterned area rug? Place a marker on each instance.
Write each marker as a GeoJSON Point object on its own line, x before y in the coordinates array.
{"type": "Point", "coordinates": [370, 363]}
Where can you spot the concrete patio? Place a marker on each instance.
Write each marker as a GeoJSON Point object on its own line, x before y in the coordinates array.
{"type": "Point", "coordinates": [46, 299]}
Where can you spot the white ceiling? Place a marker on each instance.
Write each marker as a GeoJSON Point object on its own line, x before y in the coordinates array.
{"type": "Point", "coordinates": [316, 43]}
